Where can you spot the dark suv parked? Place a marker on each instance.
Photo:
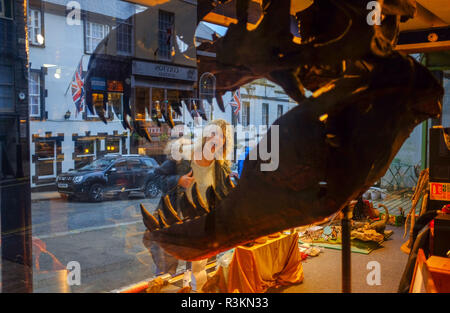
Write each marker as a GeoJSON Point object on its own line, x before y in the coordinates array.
{"type": "Point", "coordinates": [112, 175]}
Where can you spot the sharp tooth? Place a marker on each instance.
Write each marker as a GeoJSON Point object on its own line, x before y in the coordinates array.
{"type": "Point", "coordinates": [212, 197]}
{"type": "Point", "coordinates": [169, 208]}
{"type": "Point", "coordinates": [188, 208]}
{"type": "Point", "coordinates": [149, 220]}
{"type": "Point", "coordinates": [198, 200]}
{"type": "Point", "coordinates": [230, 182]}
{"type": "Point", "coordinates": [162, 218]}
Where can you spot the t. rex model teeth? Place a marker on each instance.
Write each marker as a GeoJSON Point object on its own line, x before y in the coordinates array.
{"type": "Point", "coordinates": [168, 116]}
{"type": "Point", "coordinates": [230, 183]}
{"type": "Point", "coordinates": [169, 210]}
{"type": "Point", "coordinates": [162, 218]}
{"type": "Point", "coordinates": [198, 200]}
{"type": "Point", "coordinates": [187, 207]}
{"type": "Point", "coordinates": [212, 197]}
{"type": "Point", "coordinates": [149, 220]}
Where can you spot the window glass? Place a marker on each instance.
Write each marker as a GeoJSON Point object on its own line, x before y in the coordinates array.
{"type": "Point", "coordinates": [134, 164]}
{"type": "Point", "coordinates": [46, 153]}
{"type": "Point", "coordinates": [121, 165]}
{"type": "Point", "coordinates": [34, 93]}
{"type": "Point", "coordinates": [6, 8]}
{"type": "Point", "coordinates": [279, 110]}
{"type": "Point", "coordinates": [85, 152]}
{"type": "Point", "coordinates": [124, 37]}
{"type": "Point", "coordinates": [35, 34]}
{"type": "Point", "coordinates": [95, 33]}
{"type": "Point", "coordinates": [165, 33]}
{"type": "Point", "coordinates": [265, 114]}
{"type": "Point", "coordinates": [112, 145]}
{"type": "Point", "coordinates": [150, 163]}
{"type": "Point", "coordinates": [6, 87]}
{"type": "Point", "coordinates": [154, 77]}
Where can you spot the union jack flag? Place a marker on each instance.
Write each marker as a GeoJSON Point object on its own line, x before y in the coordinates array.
{"type": "Point", "coordinates": [78, 88]}
{"type": "Point", "coordinates": [236, 102]}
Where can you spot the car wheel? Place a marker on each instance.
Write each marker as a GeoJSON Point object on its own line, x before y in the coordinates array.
{"type": "Point", "coordinates": [151, 190]}
{"type": "Point", "coordinates": [96, 193]}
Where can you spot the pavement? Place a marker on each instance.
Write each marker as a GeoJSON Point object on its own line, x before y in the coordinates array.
{"type": "Point", "coordinates": [104, 238]}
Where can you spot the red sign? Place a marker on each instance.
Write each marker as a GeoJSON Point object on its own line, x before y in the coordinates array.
{"type": "Point", "coordinates": [114, 85]}
{"type": "Point", "coordinates": [440, 191]}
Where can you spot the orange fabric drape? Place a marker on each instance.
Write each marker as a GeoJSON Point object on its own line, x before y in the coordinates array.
{"type": "Point", "coordinates": [274, 263]}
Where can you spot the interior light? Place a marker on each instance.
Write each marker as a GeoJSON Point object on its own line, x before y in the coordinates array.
{"type": "Point", "coordinates": [40, 39]}
{"type": "Point", "coordinates": [58, 73]}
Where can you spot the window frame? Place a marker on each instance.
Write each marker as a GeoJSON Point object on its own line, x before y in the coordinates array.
{"type": "Point", "coordinates": [169, 56]}
{"type": "Point", "coordinates": [38, 96]}
{"type": "Point", "coordinates": [54, 159]}
{"type": "Point", "coordinates": [265, 113]}
{"type": "Point", "coordinates": [31, 27]}
{"type": "Point", "coordinates": [9, 85]}
{"type": "Point", "coordinates": [279, 114]}
{"type": "Point", "coordinates": [119, 26]}
{"type": "Point", "coordinates": [3, 11]}
{"type": "Point", "coordinates": [88, 25]}
{"type": "Point", "coordinates": [245, 117]}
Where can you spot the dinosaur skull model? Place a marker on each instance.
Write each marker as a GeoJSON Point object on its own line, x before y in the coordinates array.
{"type": "Point", "coordinates": [333, 146]}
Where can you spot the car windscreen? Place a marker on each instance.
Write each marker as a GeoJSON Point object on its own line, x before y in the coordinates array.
{"type": "Point", "coordinates": [99, 164]}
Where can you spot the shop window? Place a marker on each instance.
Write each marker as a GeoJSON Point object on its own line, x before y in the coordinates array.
{"type": "Point", "coordinates": [6, 8]}
{"type": "Point", "coordinates": [265, 114]}
{"type": "Point", "coordinates": [174, 96]}
{"type": "Point", "coordinates": [142, 107]}
{"type": "Point", "coordinates": [34, 93]}
{"type": "Point", "coordinates": [207, 85]}
{"type": "Point", "coordinates": [280, 110]}
{"type": "Point", "coordinates": [6, 88]}
{"type": "Point", "coordinates": [112, 145]}
{"type": "Point", "coordinates": [97, 102]}
{"type": "Point", "coordinates": [85, 152]}
{"type": "Point", "coordinates": [45, 159]}
{"type": "Point", "coordinates": [94, 34]}
{"type": "Point", "coordinates": [165, 24]}
{"type": "Point", "coordinates": [124, 33]}
{"type": "Point", "coordinates": [115, 103]}
{"type": "Point", "coordinates": [35, 33]}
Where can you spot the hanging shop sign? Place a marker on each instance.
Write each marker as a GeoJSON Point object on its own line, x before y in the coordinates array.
{"type": "Point", "coordinates": [164, 71]}
{"type": "Point", "coordinates": [440, 191]}
{"type": "Point", "coordinates": [115, 85]}
{"type": "Point", "coordinates": [98, 83]}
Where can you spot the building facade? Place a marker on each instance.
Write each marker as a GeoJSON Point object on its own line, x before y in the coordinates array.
{"type": "Point", "coordinates": [148, 43]}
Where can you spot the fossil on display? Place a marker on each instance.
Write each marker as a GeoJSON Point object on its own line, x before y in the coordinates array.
{"type": "Point", "coordinates": [367, 98]}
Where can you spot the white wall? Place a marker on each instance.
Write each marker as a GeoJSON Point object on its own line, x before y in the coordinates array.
{"type": "Point", "coordinates": [64, 47]}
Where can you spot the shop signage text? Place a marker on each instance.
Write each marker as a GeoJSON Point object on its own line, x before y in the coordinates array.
{"type": "Point", "coordinates": [164, 71]}
{"type": "Point", "coordinates": [98, 83]}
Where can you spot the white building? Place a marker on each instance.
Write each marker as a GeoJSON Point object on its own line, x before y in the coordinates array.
{"type": "Point", "coordinates": [64, 34]}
